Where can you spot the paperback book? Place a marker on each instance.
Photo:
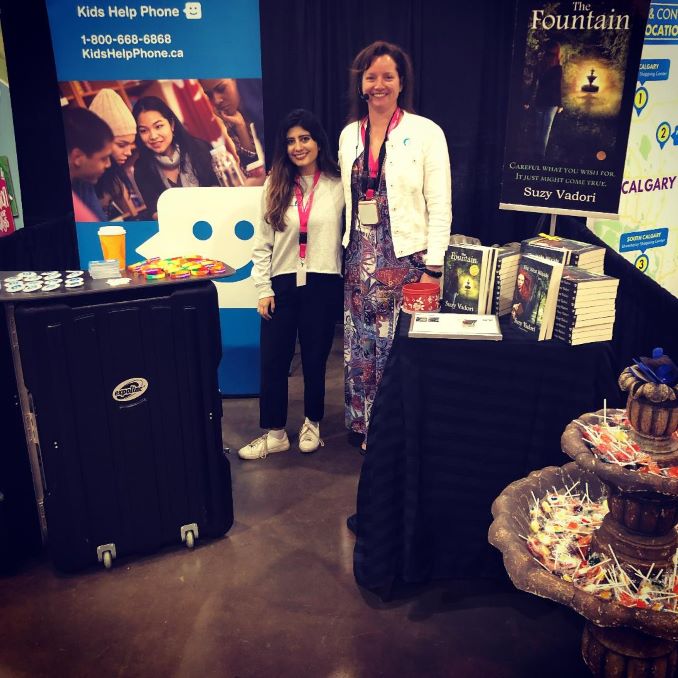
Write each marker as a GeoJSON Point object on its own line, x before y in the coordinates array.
{"type": "Point", "coordinates": [567, 251]}
{"type": "Point", "coordinates": [535, 295]}
{"type": "Point", "coordinates": [467, 274]}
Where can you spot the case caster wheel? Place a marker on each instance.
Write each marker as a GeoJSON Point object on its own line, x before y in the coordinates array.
{"type": "Point", "coordinates": [106, 553]}
{"type": "Point", "coordinates": [190, 539]}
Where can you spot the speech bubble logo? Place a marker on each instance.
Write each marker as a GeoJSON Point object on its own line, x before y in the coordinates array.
{"type": "Point", "coordinates": [640, 99]}
{"type": "Point", "coordinates": [193, 10]}
{"type": "Point", "coordinates": [663, 133]}
{"type": "Point", "coordinates": [212, 222]}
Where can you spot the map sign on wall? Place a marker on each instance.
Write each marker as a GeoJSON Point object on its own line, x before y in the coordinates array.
{"type": "Point", "coordinates": [646, 232]}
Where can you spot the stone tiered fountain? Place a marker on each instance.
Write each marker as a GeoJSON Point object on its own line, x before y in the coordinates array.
{"type": "Point", "coordinates": [638, 532]}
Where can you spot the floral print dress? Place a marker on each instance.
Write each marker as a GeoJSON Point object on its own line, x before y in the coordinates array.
{"type": "Point", "coordinates": [373, 282]}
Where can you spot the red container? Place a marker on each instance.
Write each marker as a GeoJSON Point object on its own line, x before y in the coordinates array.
{"type": "Point", "coordinates": [421, 297]}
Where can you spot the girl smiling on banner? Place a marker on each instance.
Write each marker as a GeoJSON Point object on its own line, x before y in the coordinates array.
{"type": "Point", "coordinates": [395, 171]}
{"type": "Point", "coordinates": [169, 156]}
{"type": "Point", "coordinates": [297, 273]}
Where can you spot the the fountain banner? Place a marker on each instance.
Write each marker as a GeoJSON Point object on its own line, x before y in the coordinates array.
{"type": "Point", "coordinates": [646, 232]}
{"type": "Point", "coordinates": [573, 77]}
{"type": "Point", "coordinates": [166, 94]}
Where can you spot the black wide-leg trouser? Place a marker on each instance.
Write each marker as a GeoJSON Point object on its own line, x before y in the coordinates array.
{"type": "Point", "coordinates": [311, 312]}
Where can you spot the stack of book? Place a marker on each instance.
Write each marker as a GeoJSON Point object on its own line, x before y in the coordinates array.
{"type": "Point", "coordinates": [533, 307]}
{"type": "Point", "coordinates": [468, 279]}
{"type": "Point", "coordinates": [565, 251]}
{"type": "Point", "coordinates": [505, 278]}
{"type": "Point", "coordinates": [586, 307]}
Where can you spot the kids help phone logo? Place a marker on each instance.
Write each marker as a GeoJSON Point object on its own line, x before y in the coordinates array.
{"type": "Point", "coordinates": [130, 389]}
{"type": "Point", "coordinates": [192, 10]}
{"type": "Point", "coordinates": [215, 223]}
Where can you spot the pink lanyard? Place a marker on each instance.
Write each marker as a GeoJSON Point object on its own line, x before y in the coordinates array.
{"type": "Point", "coordinates": [375, 164]}
{"type": "Point", "coordinates": [304, 212]}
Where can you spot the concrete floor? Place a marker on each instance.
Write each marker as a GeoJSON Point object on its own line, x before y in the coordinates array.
{"type": "Point", "coordinates": [276, 597]}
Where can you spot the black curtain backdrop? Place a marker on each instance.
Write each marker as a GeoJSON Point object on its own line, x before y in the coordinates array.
{"type": "Point", "coordinates": [461, 57]}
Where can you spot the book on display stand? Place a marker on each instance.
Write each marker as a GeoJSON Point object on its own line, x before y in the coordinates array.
{"type": "Point", "coordinates": [535, 296]}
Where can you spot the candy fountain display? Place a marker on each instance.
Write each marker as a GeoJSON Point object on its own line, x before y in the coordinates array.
{"type": "Point", "coordinates": [599, 535]}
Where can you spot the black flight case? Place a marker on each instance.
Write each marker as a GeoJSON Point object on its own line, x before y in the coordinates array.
{"type": "Point", "coordinates": [121, 388]}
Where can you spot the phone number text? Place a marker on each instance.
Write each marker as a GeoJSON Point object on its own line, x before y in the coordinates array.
{"type": "Point", "coordinates": [127, 39]}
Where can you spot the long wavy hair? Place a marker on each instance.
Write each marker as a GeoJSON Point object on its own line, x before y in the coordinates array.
{"type": "Point", "coordinates": [357, 106]}
{"type": "Point", "coordinates": [284, 171]}
{"type": "Point", "coordinates": [188, 144]}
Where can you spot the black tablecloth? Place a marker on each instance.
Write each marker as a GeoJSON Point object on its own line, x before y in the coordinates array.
{"type": "Point", "coordinates": [453, 423]}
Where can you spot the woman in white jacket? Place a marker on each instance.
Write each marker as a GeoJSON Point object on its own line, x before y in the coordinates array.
{"type": "Point", "coordinates": [395, 172]}
{"type": "Point", "coordinates": [297, 273]}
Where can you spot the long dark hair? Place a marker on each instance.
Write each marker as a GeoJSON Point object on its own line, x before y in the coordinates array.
{"type": "Point", "coordinates": [196, 149]}
{"type": "Point", "coordinates": [284, 171]}
{"type": "Point", "coordinates": [550, 56]}
{"type": "Point", "coordinates": [363, 60]}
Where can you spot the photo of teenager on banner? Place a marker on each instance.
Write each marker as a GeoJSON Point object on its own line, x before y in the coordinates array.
{"type": "Point", "coordinates": [201, 134]}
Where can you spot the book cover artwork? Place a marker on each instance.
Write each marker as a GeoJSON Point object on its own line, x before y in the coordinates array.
{"type": "Point", "coordinates": [461, 287]}
{"type": "Point", "coordinates": [529, 299]}
{"type": "Point", "coordinates": [572, 85]}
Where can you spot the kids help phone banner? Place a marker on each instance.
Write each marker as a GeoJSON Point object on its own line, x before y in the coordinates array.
{"type": "Point", "coordinates": [572, 84]}
{"type": "Point", "coordinates": [646, 232]}
{"type": "Point", "coordinates": [163, 119]}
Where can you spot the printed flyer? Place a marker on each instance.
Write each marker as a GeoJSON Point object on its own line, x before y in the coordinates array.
{"type": "Point", "coordinates": [646, 232]}
{"type": "Point", "coordinates": [162, 99]}
{"type": "Point", "coordinates": [571, 93]}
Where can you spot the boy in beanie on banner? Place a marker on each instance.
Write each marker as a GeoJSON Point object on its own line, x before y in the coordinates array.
{"type": "Point", "coordinates": [119, 196]}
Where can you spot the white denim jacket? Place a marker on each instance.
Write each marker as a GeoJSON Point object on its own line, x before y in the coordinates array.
{"type": "Point", "coordinates": [418, 184]}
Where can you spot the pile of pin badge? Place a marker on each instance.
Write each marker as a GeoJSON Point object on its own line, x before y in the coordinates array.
{"type": "Point", "coordinates": [49, 281]}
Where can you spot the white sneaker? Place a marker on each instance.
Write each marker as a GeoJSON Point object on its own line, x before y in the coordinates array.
{"type": "Point", "coordinates": [309, 437]}
{"type": "Point", "coordinates": [260, 447]}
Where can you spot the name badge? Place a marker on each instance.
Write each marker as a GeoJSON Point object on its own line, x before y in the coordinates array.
{"type": "Point", "coordinates": [368, 215]}
{"type": "Point", "coordinates": [301, 273]}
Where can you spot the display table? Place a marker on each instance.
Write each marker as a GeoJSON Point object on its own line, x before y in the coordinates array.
{"type": "Point", "coordinates": [453, 423]}
{"type": "Point", "coordinates": [122, 414]}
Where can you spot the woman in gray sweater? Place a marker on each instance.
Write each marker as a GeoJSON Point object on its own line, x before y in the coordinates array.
{"type": "Point", "coordinates": [297, 273]}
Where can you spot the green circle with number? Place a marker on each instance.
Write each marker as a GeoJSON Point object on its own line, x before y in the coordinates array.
{"type": "Point", "coordinates": [642, 262]}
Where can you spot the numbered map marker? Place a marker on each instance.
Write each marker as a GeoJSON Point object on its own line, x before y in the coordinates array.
{"type": "Point", "coordinates": [640, 99]}
{"type": "Point", "coordinates": [642, 262]}
{"type": "Point", "coordinates": [663, 133]}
